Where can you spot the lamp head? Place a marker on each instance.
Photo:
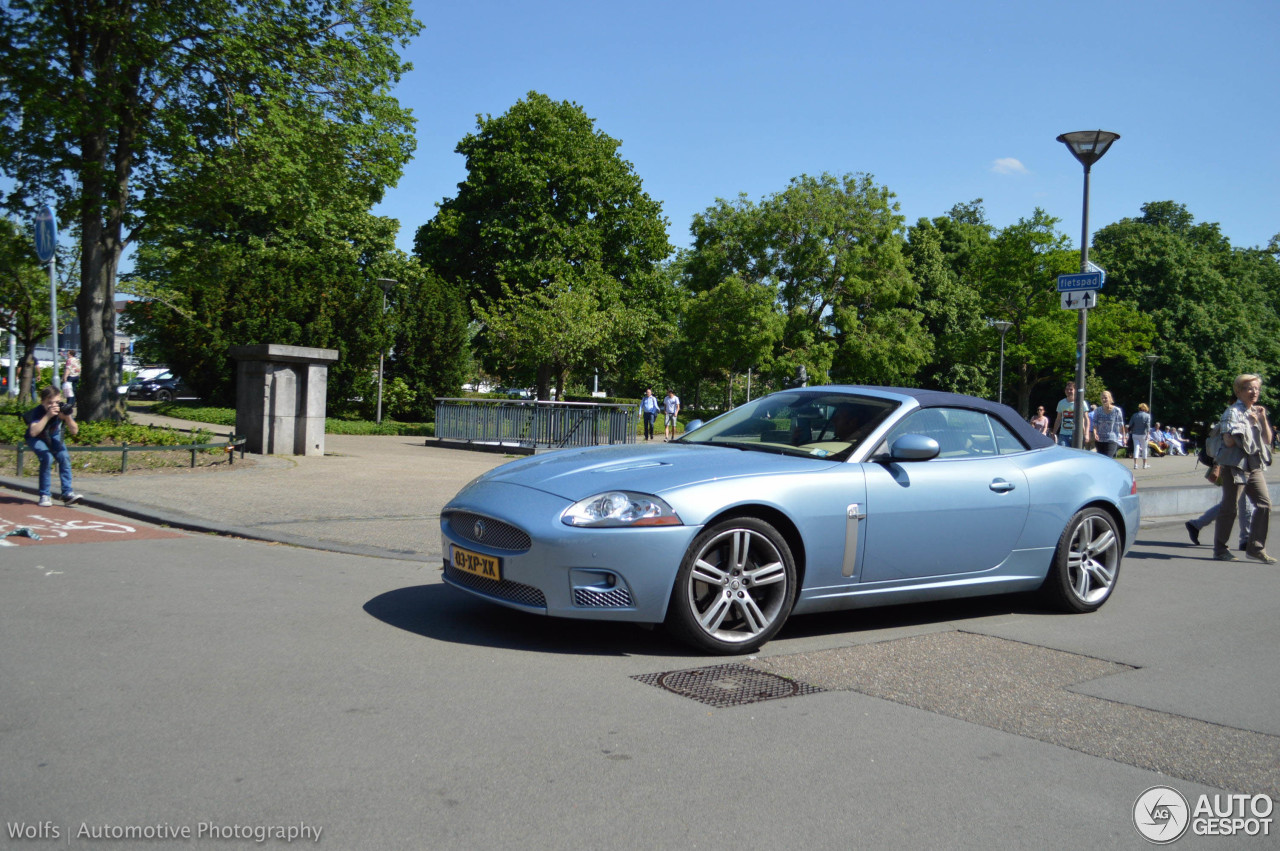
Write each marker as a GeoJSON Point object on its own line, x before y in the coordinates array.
{"type": "Point", "coordinates": [1088, 146]}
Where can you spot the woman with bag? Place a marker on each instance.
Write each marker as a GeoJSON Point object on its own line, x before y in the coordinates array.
{"type": "Point", "coordinates": [1246, 451]}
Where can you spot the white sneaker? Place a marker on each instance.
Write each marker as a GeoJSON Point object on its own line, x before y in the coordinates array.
{"type": "Point", "coordinates": [45, 501]}
{"type": "Point", "coordinates": [71, 498]}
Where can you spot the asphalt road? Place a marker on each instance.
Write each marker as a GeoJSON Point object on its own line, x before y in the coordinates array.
{"type": "Point", "coordinates": [221, 686]}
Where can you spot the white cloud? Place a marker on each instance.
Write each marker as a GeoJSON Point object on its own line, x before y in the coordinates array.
{"type": "Point", "coordinates": [1009, 165]}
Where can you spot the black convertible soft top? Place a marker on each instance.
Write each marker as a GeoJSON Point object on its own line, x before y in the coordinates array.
{"type": "Point", "coordinates": [942, 399]}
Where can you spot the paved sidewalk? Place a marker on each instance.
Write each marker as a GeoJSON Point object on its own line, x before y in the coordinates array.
{"type": "Point", "coordinates": [382, 496]}
{"type": "Point", "coordinates": [369, 495]}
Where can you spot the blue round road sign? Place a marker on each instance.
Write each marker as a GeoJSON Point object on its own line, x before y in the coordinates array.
{"type": "Point", "coordinates": [46, 235]}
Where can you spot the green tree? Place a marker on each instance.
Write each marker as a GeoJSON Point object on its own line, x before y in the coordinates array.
{"type": "Point", "coordinates": [430, 350]}
{"type": "Point", "coordinates": [106, 103]}
{"type": "Point", "coordinates": [728, 330]}
{"type": "Point", "coordinates": [830, 249]}
{"type": "Point", "coordinates": [1016, 275]}
{"type": "Point", "coordinates": [941, 253]}
{"type": "Point", "coordinates": [551, 225]}
{"type": "Point", "coordinates": [312, 283]}
{"type": "Point", "coordinates": [24, 299]}
{"type": "Point", "coordinates": [1213, 308]}
{"type": "Point", "coordinates": [952, 316]}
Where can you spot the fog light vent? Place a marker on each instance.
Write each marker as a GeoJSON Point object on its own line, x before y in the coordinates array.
{"type": "Point", "coordinates": [616, 598]}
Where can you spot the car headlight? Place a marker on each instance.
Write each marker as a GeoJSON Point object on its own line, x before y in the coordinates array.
{"type": "Point", "coordinates": [620, 508]}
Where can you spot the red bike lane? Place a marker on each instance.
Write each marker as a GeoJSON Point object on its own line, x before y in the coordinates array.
{"type": "Point", "coordinates": [23, 523]}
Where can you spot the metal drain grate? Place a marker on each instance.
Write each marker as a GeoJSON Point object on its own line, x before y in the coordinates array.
{"type": "Point", "coordinates": [733, 684]}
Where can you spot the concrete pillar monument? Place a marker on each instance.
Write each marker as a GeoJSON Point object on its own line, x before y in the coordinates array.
{"type": "Point", "coordinates": [281, 394]}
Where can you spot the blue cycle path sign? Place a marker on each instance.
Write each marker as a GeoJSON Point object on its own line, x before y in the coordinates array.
{"type": "Point", "coordinates": [46, 235]}
{"type": "Point", "coordinates": [1080, 281]}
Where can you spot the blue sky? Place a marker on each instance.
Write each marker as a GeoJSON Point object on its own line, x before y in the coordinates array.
{"type": "Point", "coordinates": [942, 102]}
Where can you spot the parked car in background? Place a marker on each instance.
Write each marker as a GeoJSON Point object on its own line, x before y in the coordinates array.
{"type": "Point", "coordinates": [164, 387]}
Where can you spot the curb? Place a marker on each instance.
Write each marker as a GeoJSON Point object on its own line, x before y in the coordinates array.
{"type": "Point", "coordinates": [187, 523]}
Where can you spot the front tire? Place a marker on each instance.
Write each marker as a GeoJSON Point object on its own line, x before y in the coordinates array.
{"type": "Point", "coordinates": [1086, 563]}
{"type": "Point", "coordinates": [164, 396]}
{"type": "Point", "coordinates": [735, 587]}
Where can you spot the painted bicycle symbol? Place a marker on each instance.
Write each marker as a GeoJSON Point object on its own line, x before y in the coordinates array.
{"type": "Point", "coordinates": [48, 528]}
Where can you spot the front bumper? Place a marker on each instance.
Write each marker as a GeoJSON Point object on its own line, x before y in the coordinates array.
{"type": "Point", "coordinates": [623, 574]}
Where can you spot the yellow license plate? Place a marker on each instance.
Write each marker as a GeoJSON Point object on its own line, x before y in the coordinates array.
{"type": "Point", "coordinates": [486, 567]}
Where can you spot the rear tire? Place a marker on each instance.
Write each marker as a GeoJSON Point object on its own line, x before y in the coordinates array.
{"type": "Point", "coordinates": [1086, 563]}
{"type": "Point", "coordinates": [735, 587]}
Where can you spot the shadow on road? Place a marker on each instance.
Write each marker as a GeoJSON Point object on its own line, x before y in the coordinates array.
{"type": "Point", "coordinates": [441, 613]}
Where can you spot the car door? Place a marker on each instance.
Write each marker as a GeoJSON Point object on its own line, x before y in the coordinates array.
{"type": "Point", "coordinates": [959, 513]}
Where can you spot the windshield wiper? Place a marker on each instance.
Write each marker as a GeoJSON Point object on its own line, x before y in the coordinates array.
{"type": "Point", "coordinates": [774, 448]}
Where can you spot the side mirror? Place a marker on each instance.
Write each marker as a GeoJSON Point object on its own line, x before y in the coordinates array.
{"type": "Point", "coordinates": [914, 447]}
{"type": "Point", "coordinates": [691, 425]}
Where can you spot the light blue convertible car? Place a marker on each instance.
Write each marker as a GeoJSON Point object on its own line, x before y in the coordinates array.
{"type": "Point", "coordinates": [807, 500]}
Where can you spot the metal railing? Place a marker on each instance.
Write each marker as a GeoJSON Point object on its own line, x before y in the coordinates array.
{"type": "Point", "coordinates": [232, 443]}
{"type": "Point", "coordinates": [535, 423]}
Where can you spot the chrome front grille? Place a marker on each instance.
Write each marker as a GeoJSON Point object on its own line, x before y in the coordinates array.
{"type": "Point", "coordinates": [515, 592]}
{"type": "Point", "coordinates": [494, 534]}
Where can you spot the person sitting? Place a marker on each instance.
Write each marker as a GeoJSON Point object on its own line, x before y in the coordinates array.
{"type": "Point", "coordinates": [1161, 437]}
{"type": "Point", "coordinates": [1173, 436]}
{"type": "Point", "coordinates": [844, 421]}
{"type": "Point", "coordinates": [1157, 443]}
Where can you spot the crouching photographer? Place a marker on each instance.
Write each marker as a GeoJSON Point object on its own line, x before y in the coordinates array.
{"type": "Point", "coordinates": [45, 423]}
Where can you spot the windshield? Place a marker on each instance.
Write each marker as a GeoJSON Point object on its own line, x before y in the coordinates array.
{"type": "Point", "coordinates": [814, 423]}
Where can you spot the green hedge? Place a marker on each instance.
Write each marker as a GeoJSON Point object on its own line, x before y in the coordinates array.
{"type": "Point", "coordinates": [332, 425]}
{"type": "Point", "coordinates": [13, 431]}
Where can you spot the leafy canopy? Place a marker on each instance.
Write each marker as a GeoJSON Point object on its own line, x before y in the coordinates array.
{"type": "Point", "coordinates": [551, 228]}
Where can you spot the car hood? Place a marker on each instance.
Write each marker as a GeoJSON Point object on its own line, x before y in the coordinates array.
{"type": "Point", "coordinates": [579, 473]}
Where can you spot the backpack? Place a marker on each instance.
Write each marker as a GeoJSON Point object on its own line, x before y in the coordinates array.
{"type": "Point", "coordinates": [1212, 445]}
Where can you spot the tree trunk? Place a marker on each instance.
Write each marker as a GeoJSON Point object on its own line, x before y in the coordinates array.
{"type": "Point", "coordinates": [96, 308]}
{"type": "Point", "coordinates": [28, 373]}
{"type": "Point", "coordinates": [543, 390]}
{"type": "Point", "coordinates": [101, 233]}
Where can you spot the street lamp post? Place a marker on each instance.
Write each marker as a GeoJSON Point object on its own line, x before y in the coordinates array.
{"type": "Point", "coordinates": [1003, 326]}
{"type": "Point", "coordinates": [1087, 146]}
{"type": "Point", "coordinates": [1151, 381]}
{"type": "Point", "coordinates": [386, 284]}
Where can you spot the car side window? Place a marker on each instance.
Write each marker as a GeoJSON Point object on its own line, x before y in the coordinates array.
{"type": "Point", "coordinates": [1007, 443]}
{"type": "Point", "coordinates": [960, 433]}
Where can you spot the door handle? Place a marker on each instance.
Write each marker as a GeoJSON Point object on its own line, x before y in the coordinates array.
{"type": "Point", "coordinates": [1001, 486]}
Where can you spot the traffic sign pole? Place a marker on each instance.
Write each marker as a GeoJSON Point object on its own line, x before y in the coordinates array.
{"type": "Point", "coordinates": [47, 251]}
{"type": "Point", "coordinates": [53, 314]}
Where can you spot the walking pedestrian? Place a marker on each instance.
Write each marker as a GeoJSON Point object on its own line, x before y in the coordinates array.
{"type": "Point", "coordinates": [1040, 422]}
{"type": "Point", "coordinates": [72, 369]}
{"type": "Point", "coordinates": [1139, 428]}
{"type": "Point", "coordinates": [1108, 426]}
{"type": "Point", "coordinates": [1244, 513]}
{"type": "Point", "coordinates": [649, 410]}
{"type": "Point", "coordinates": [671, 405]}
{"type": "Point", "coordinates": [1064, 424]}
{"type": "Point", "coordinates": [1246, 439]}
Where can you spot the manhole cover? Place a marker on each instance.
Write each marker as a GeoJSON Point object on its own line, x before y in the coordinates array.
{"type": "Point", "coordinates": [733, 684]}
